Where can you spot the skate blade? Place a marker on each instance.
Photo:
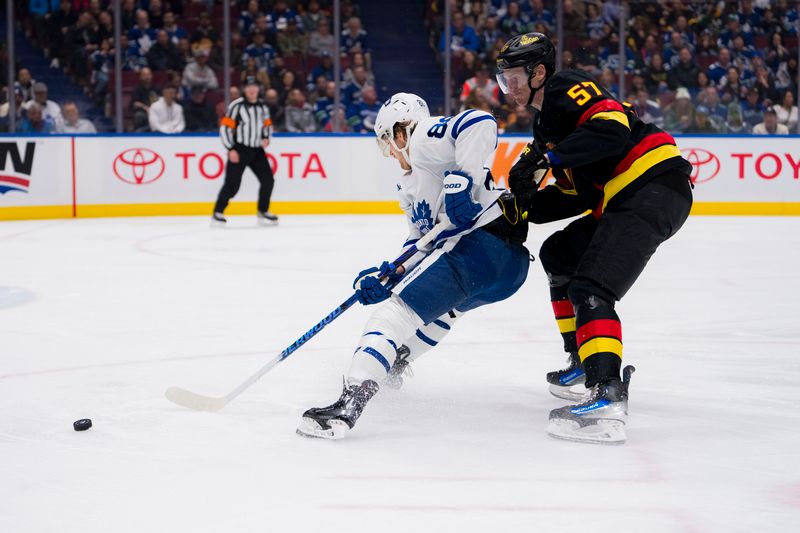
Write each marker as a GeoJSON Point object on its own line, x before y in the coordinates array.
{"type": "Point", "coordinates": [609, 432]}
{"type": "Point", "coordinates": [311, 428]}
{"type": "Point", "coordinates": [217, 224]}
{"type": "Point", "coordinates": [575, 394]}
{"type": "Point", "coordinates": [263, 222]}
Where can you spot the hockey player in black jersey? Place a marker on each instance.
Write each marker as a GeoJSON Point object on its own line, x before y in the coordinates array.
{"type": "Point", "coordinates": [631, 179]}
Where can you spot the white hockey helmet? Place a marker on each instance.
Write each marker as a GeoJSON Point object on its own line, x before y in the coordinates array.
{"type": "Point", "coordinates": [401, 108]}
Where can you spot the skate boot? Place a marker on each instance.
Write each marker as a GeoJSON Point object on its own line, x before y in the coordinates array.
{"type": "Point", "coordinates": [394, 379]}
{"type": "Point", "coordinates": [600, 419]}
{"type": "Point", "coordinates": [568, 384]}
{"type": "Point", "coordinates": [334, 421]}
{"type": "Point", "coordinates": [265, 218]}
{"type": "Point", "coordinates": [218, 219]}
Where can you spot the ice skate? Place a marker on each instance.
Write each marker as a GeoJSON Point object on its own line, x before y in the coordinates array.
{"type": "Point", "coordinates": [218, 220]}
{"type": "Point", "coordinates": [600, 419]}
{"type": "Point", "coordinates": [569, 383]}
{"type": "Point", "coordinates": [265, 218]}
{"type": "Point", "coordinates": [400, 368]}
{"type": "Point", "coordinates": [334, 421]}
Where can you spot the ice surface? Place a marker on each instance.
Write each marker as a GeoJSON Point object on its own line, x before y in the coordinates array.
{"type": "Point", "coordinates": [99, 317]}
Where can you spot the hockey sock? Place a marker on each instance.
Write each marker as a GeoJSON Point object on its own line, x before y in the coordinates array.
{"type": "Point", "coordinates": [388, 326]}
{"type": "Point", "coordinates": [429, 335]}
{"type": "Point", "coordinates": [599, 333]}
{"type": "Point", "coordinates": [565, 316]}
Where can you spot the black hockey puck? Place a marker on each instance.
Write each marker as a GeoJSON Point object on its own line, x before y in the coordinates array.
{"type": "Point", "coordinates": [82, 425]}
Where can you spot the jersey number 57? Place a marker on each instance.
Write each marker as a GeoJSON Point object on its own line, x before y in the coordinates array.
{"type": "Point", "coordinates": [579, 93]}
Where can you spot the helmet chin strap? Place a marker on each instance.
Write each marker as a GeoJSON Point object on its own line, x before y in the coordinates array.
{"type": "Point", "coordinates": [530, 86]}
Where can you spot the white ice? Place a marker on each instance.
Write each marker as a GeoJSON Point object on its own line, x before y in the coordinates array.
{"type": "Point", "coordinates": [99, 317]}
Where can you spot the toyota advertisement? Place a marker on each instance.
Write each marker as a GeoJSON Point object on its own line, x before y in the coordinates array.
{"type": "Point", "coordinates": [130, 175]}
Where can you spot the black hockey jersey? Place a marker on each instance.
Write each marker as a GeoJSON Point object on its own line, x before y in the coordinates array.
{"type": "Point", "coordinates": [598, 147]}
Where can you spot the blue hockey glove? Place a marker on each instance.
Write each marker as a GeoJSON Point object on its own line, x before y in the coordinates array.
{"type": "Point", "coordinates": [368, 286]}
{"type": "Point", "coordinates": [458, 204]}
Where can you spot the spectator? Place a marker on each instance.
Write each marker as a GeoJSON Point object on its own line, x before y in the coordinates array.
{"type": "Point", "coordinates": [655, 76]}
{"type": "Point", "coordinates": [313, 17]}
{"type": "Point", "coordinates": [354, 38]}
{"type": "Point", "coordinates": [288, 81]}
{"type": "Point", "coordinates": [25, 84]}
{"type": "Point", "coordinates": [166, 114]}
{"type": "Point", "coordinates": [318, 90]}
{"type": "Point", "coordinates": [34, 121]}
{"type": "Point", "coordinates": [718, 113]}
{"type": "Point", "coordinates": [175, 32]}
{"type": "Point", "coordinates": [702, 123]}
{"type": "Point", "coordinates": [777, 53]}
{"type": "Point", "coordinates": [574, 21]}
{"type": "Point", "coordinates": [672, 49]}
{"type": "Point", "coordinates": [199, 115]}
{"type": "Point", "coordinates": [514, 23]}
{"type": "Point", "coordinates": [321, 41]}
{"type": "Point", "coordinates": [51, 112]}
{"type": "Point", "coordinates": [358, 60]}
{"type": "Point", "coordinates": [144, 95]}
{"type": "Point", "coordinates": [731, 88]}
{"type": "Point", "coordinates": [248, 18]}
{"type": "Point", "coordinates": [648, 110]}
{"type": "Point", "coordinates": [263, 54]}
{"type": "Point", "coordinates": [770, 125]}
{"type": "Point", "coordinates": [276, 111]}
{"type": "Point", "coordinates": [520, 121]}
{"type": "Point", "coordinates": [156, 14]}
{"type": "Point", "coordinates": [684, 72]}
{"type": "Point", "coordinates": [786, 111]}
{"type": "Point", "coordinates": [351, 93]}
{"type": "Point", "coordinates": [707, 45]}
{"type": "Point", "coordinates": [324, 106]}
{"type": "Point", "coordinates": [463, 38]}
{"type": "Point", "coordinates": [143, 34]}
{"type": "Point", "coordinates": [361, 116]}
{"type": "Point", "coordinates": [536, 13]}
{"type": "Point", "coordinates": [735, 124]}
{"type": "Point", "coordinates": [719, 69]}
{"type": "Point", "coordinates": [59, 24]}
{"type": "Point", "coordinates": [290, 41]}
{"type": "Point", "coordinates": [279, 19]}
{"type": "Point", "coordinates": [128, 14]}
{"type": "Point", "coordinates": [299, 116]}
{"type": "Point", "coordinates": [679, 116]}
{"type": "Point", "coordinates": [132, 58]}
{"type": "Point", "coordinates": [490, 34]}
{"type": "Point", "coordinates": [339, 125]}
{"type": "Point", "coordinates": [594, 22]}
{"type": "Point", "coordinates": [73, 123]}
{"type": "Point", "coordinates": [483, 84]}
{"type": "Point", "coordinates": [752, 109]}
{"type": "Point", "coordinates": [204, 30]}
{"type": "Point", "coordinates": [648, 49]}
{"type": "Point", "coordinates": [198, 72]}
{"type": "Point", "coordinates": [102, 61]}
{"type": "Point", "coordinates": [105, 25]}
{"type": "Point", "coordinates": [164, 55]}
{"type": "Point", "coordinates": [251, 70]}
{"type": "Point", "coordinates": [82, 40]}
{"type": "Point", "coordinates": [5, 108]}
{"type": "Point", "coordinates": [764, 84]}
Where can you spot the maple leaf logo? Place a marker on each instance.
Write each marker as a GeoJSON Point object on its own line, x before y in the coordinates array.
{"type": "Point", "coordinates": [421, 216]}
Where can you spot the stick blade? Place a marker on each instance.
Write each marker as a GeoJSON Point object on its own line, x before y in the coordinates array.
{"type": "Point", "coordinates": [196, 402]}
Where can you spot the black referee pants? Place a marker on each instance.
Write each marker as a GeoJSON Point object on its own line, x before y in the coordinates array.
{"type": "Point", "coordinates": [256, 159]}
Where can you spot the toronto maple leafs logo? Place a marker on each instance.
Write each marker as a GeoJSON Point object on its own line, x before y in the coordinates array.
{"type": "Point", "coordinates": [421, 216]}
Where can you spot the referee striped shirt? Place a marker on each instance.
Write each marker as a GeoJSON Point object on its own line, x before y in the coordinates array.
{"type": "Point", "coordinates": [245, 124]}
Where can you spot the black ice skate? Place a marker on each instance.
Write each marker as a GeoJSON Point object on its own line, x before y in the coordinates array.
{"type": "Point", "coordinates": [218, 219]}
{"type": "Point", "coordinates": [600, 418]}
{"type": "Point", "coordinates": [265, 218]}
{"type": "Point", "coordinates": [334, 421]}
{"type": "Point", "coordinates": [568, 384]}
{"type": "Point", "coordinates": [400, 368]}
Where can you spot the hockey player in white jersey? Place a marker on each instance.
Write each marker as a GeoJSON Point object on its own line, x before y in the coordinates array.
{"type": "Point", "coordinates": [477, 259]}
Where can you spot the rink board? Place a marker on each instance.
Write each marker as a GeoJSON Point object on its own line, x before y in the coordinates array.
{"type": "Point", "coordinates": [148, 175]}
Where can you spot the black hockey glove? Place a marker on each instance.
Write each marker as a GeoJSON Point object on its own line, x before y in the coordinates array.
{"type": "Point", "coordinates": [526, 174]}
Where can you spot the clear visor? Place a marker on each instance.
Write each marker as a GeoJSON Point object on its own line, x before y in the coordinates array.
{"type": "Point", "coordinates": [383, 144]}
{"type": "Point", "coordinates": [512, 79]}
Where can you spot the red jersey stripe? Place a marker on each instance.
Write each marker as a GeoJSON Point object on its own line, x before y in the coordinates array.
{"type": "Point", "coordinates": [645, 145]}
{"type": "Point", "coordinates": [600, 328]}
{"type": "Point", "coordinates": [599, 107]}
{"type": "Point", "coordinates": [563, 308]}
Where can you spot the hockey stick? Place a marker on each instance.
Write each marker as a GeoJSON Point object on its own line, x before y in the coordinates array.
{"type": "Point", "coordinates": [198, 402]}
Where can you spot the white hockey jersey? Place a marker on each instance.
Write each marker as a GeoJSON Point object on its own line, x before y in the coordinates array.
{"type": "Point", "coordinates": [463, 142]}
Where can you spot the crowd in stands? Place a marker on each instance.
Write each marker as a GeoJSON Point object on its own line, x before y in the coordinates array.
{"type": "Point", "coordinates": [690, 66]}
{"type": "Point", "coordinates": [173, 62]}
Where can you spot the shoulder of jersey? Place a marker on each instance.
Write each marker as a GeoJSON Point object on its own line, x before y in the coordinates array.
{"type": "Point", "coordinates": [564, 79]}
{"type": "Point", "coordinates": [237, 101]}
{"type": "Point", "coordinates": [468, 118]}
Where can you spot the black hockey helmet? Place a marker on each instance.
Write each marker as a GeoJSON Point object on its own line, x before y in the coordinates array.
{"type": "Point", "coordinates": [528, 51]}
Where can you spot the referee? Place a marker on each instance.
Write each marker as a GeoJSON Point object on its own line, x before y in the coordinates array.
{"type": "Point", "coordinates": [245, 131]}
